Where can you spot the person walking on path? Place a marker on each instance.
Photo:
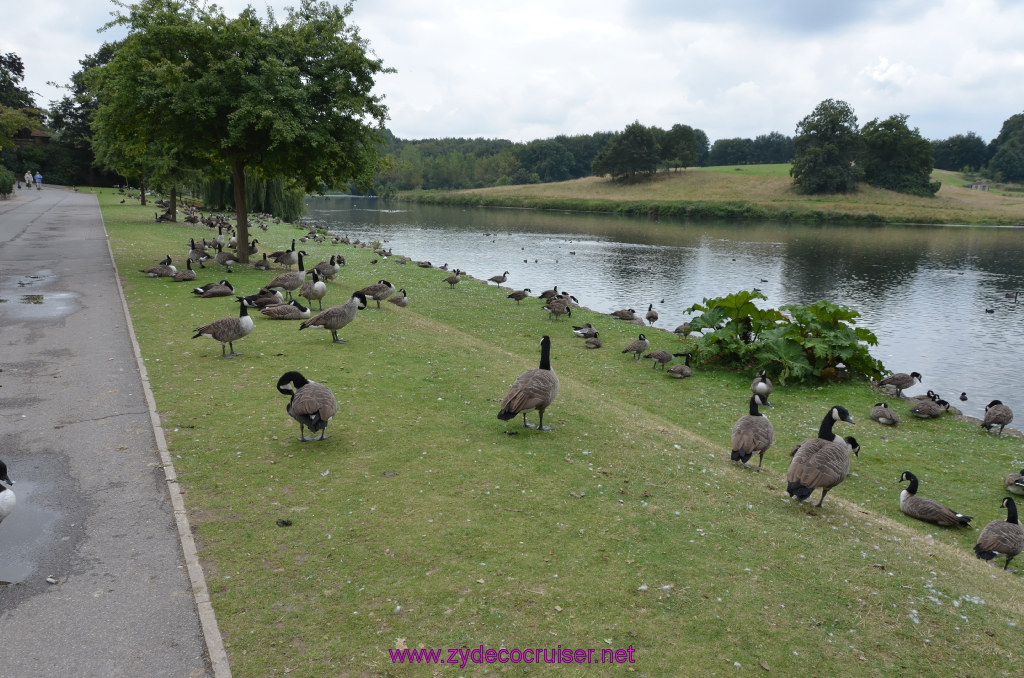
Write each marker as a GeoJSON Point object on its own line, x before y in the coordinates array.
{"type": "Point", "coordinates": [28, 179]}
{"type": "Point", "coordinates": [39, 181]}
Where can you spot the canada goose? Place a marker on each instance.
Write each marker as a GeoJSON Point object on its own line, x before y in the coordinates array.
{"type": "Point", "coordinates": [311, 404]}
{"type": "Point", "coordinates": [7, 498]}
{"type": "Point", "coordinates": [900, 381]}
{"type": "Point", "coordinates": [336, 317]}
{"type": "Point", "coordinates": [262, 299]}
{"type": "Point", "coordinates": [293, 310]}
{"type": "Point", "coordinates": [533, 390]}
{"type": "Point", "coordinates": [400, 300]}
{"type": "Point", "coordinates": [557, 307]}
{"type": "Point", "coordinates": [547, 294]}
{"type": "Point", "coordinates": [379, 291]}
{"type": "Point", "coordinates": [624, 314]}
{"type": "Point", "coordinates": [328, 270]}
{"type": "Point", "coordinates": [498, 279]}
{"type": "Point", "coordinates": [683, 329]}
{"type": "Point", "coordinates": [963, 396]}
{"type": "Point", "coordinates": [637, 347]}
{"type": "Point", "coordinates": [593, 342]}
{"type": "Point", "coordinates": [225, 259]}
{"type": "Point", "coordinates": [997, 414]}
{"type": "Point", "coordinates": [227, 330]}
{"type": "Point", "coordinates": [928, 510]}
{"type": "Point", "coordinates": [761, 384]}
{"type": "Point", "coordinates": [314, 290]}
{"type": "Point", "coordinates": [883, 414]}
{"type": "Point", "coordinates": [161, 270]}
{"type": "Point", "coordinates": [252, 247]}
{"type": "Point", "coordinates": [752, 433]}
{"type": "Point", "coordinates": [1002, 537]}
{"type": "Point", "coordinates": [823, 461]}
{"type": "Point", "coordinates": [681, 370]}
{"type": "Point", "coordinates": [197, 254]}
{"type": "Point", "coordinates": [286, 257]}
{"type": "Point", "coordinates": [584, 331]}
{"type": "Point", "coordinates": [424, 264]}
{"type": "Point", "coordinates": [1015, 482]}
{"type": "Point", "coordinates": [290, 281]}
{"type": "Point", "coordinates": [1010, 295]}
{"type": "Point", "coordinates": [929, 408]}
{"type": "Point", "coordinates": [188, 275]}
{"type": "Point", "coordinates": [662, 358]}
{"type": "Point", "coordinates": [453, 280]}
{"type": "Point", "coordinates": [651, 315]}
{"type": "Point", "coordinates": [519, 295]}
{"type": "Point", "coordinates": [214, 289]}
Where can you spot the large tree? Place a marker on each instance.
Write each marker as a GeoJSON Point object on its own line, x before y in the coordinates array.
{"type": "Point", "coordinates": [633, 151]}
{"type": "Point", "coordinates": [17, 107]}
{"type": "Point", "coordinates": [1007, 161]}
{"type": "Point", "coordinates": [898, 158]}
{"type": "Point", "coordinates": [291, 99]}
{"type": "Point", "coordinates": [825, 150]}
{"type": "Point", "coordinates": [960, 151]}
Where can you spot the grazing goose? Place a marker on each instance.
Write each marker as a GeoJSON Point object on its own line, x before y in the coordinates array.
{"type": "Point", "coordinates": [311, 404]}
{"type": "Point", "coordinates": [997, 414]}
{"type": "Point", "coordinates": [454, 279]}
{"type": "Point", "coordinates": [762, 385]}
{"type": "Point", "coordinates": [293, 310]}
{"type": "Point", "coordinates": [214, 289]}
{"type": "Point", "coordinates": [314, 290]}
{"type": "Point", "coordinates": [681, 370]}
{"type": "Point", "coordinates": [624, 314]}
{"type": "Point", "coordinates": [1015, 482]}
{"type": "Point", "coordinates": [637, 347]}
{"type": "Point", "coordinates": [225, 259]}
{"type": "Point", "coordinates": [683, 329]}
{"type": "Point", "coordinates": [7, 498]}
{"type": "Point", "coordinates": [161, 270]}
{"type": "Point", "coordinates": [400, 300]}
{"type": "Point", "coordinates": [519, 295]}
{"type": "Point", "coordinates": [328, 270]}
{"type": "Point", "coordinates": [823, 461]}
{"type": "Point", "coordinates": [752, 433]}
{"type": "Point", "coordinates": [188, 275]}
{"type": "Point", "coordinates": [584, 331]}
{"type": "Point", "coordinates": [900, 381]}
{"type": "Point", "coordinates": [1002, 537]}
{"type": "Point", "coordinates": [651, 315]}
{"type": "Point", "coordinates": [928, 510]}
{"type": "Point", "coordinates": [883, 414]}
{"type": "Point", "coordinates": [286, 257]}
{"type": "Point", "coordinates": [593, 342]}
{"type": "Point", "coordinates": [498, 279]}
{"type": "Point", "coordinates": [263, 264]}
{"type": "Point", "coordinates": [227, 330]}
{"type": "Point", "coordinates": [662, 358]}
{"type": "Point", "coordinates": [557, 307]}
{"type": "Point", "coordinates": [533, 390]}
{"type": "Point", "coordinates": [379, 291]}
{"type": "Point", "coordinates": [336, 317]}
{"type": "Point", "coordinates": [290, 281]}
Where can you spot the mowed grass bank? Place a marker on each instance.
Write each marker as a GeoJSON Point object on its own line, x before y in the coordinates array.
{"type": "Point", "coordinates": [749, 191]}
{"type": "Point", "coordinates": [420, 523]}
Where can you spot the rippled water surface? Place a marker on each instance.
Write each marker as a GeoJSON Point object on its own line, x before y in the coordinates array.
{"type": "Point", "coordinates": [923, 291]}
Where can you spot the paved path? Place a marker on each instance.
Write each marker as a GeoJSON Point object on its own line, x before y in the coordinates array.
{"type": "Point", "coordinates": [94, 512]}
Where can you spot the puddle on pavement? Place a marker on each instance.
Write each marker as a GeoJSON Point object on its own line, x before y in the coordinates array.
{"type": "Point", "coordinates": [35, 302]}
{"type": "Point", "coordinates": [23, 533]}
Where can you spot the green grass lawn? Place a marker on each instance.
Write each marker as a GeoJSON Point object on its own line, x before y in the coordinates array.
{"type": "Point", "coordinates": [421, 523]}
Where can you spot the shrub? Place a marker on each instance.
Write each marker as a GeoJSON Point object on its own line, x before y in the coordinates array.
{"type": "Point", "coordinates": [6, 183]}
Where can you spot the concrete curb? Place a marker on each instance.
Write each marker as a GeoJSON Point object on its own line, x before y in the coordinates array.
{"type": "Point", "coordinates": [207, 619]}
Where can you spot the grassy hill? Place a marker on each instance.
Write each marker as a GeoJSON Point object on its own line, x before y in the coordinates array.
{"type": "Point", "coordinates": [751, 191]}
{"type": "Point", "coordinates": [421, 523]}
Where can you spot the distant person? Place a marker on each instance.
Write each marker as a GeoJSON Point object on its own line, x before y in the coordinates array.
{"type": "Point", "coordinates": [39, 181]}
{"type": "Point", "coordinates": [28, 179]}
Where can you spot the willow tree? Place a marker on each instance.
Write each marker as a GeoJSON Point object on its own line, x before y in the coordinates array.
{"type": "Point", "coordinates": [242, 95]}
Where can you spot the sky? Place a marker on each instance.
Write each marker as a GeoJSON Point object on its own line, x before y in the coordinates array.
{"type": "Point", "coordinates": [733, 68]}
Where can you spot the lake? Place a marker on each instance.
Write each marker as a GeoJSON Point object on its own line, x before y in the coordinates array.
{"type": "Point", "coordinates": [924, 291]}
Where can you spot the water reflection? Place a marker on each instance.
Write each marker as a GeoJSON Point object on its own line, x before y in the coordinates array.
{"type": "Point", "coordinates": [922, 290]}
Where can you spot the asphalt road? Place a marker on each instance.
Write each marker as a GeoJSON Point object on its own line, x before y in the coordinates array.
{"type": "Point", "coordinates": [94, 512]}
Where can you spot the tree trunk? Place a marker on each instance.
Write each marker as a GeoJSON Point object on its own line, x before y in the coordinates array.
{"type": "Point", "coordinates": [241, 211]}
{"type": "Point", "coordinates": [142, 192]}
{"type": "Point", "coordinates": [173, 209]}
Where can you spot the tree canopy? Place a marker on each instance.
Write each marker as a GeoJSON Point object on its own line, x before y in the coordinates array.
{"type": "Point", "coordinates": [200, 90]}
{"type": "Point", "coordinates": [825, 148]}
{"type": "Point", "coordinates": [633, 152]}
{"type": "Point", "coordinates": [898, 158]}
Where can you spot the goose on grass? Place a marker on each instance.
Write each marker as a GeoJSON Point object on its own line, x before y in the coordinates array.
{"type": "Point", "coordinates": [311, 404]}
{"type": "Point", "coordinates": [227, 330]}
{"type": "Point", "coordinates": [534, 390]}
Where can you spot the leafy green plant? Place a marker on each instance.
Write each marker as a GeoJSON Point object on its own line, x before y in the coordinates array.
{"type": "Point", "coordinates": [805, 342]}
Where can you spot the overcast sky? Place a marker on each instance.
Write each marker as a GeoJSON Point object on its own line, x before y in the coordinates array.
{"type": "Point", "coordinates": [734, 68]}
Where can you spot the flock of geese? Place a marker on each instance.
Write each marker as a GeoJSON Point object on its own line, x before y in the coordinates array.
{"type": "Point", "coordinates": [818, 463]}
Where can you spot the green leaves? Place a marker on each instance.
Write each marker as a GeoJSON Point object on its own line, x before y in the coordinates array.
{"type": "Point", "coordinates": [804, 342]}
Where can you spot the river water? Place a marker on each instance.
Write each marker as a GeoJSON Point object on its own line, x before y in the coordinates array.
{"type": "Point", "coordinates": [924, 291]}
